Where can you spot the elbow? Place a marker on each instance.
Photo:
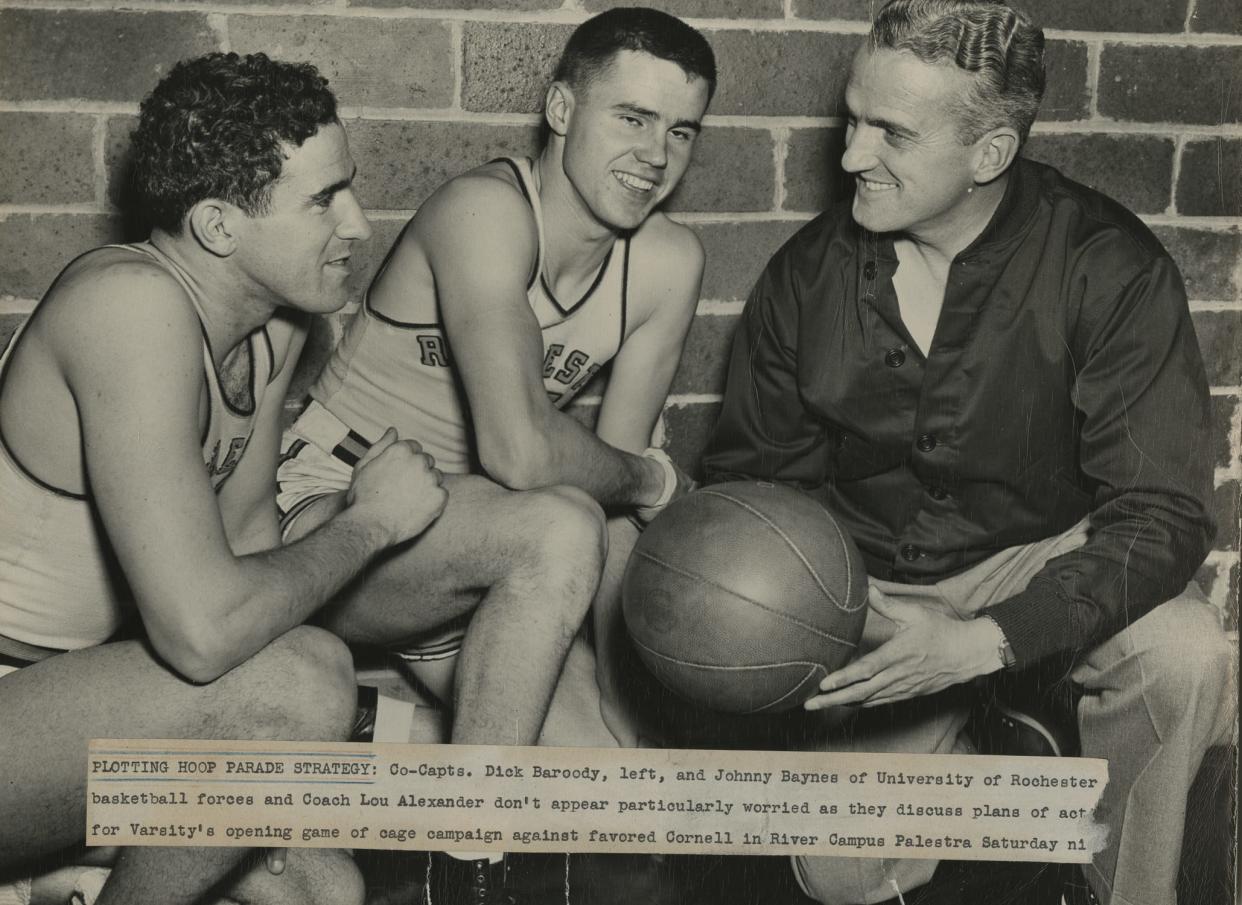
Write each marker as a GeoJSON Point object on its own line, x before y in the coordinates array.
{"type": "Point", "coordinates": [195, 656]}
{"type": "Point", "coordinates": [516, 461]}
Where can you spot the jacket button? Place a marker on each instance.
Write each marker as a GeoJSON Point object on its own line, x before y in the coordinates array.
{"type": "Point", "coordinates": [894, 358]}
{"type": "Point", "coordinates": [909, 553]}
{"type": "Point", "coordinates": [926, 443]}
{"type": "Point", "coordinates": [869, 270]}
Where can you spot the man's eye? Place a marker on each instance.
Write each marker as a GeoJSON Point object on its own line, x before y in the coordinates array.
{"type": "Point", "coordinates": [631, 120]}
{"type": "Point", "coordinates": [683, 135]}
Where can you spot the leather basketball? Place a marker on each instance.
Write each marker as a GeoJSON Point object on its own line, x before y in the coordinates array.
{"type": "Point", "coordinates": [741, 597]}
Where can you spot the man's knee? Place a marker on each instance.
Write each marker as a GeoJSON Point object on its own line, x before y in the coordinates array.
{"type": "Point", "coordinates": [571, 527]}
{"type": "Point", "coordinates": [309, 673]}
{"type": "Point", "coordinates": [1186, 659]}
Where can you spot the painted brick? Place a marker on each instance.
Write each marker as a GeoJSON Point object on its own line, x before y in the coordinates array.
{"type": "Point", "coordinates": [732, 170]}
{"type": "Point", "coordinates": [320, 341]}
{"type": "Point", "coordinates": [1217, 16]}
{"type": "Point", "coordinates": [863, 10]}
{"type": "Point", "coordinates": [1228, 505]}
{"type": "Point", "coordinates": [1108, 15]}
{"type": "Point", "coordinates": [47, 158]}
{"type": "Point", "coordinates": [705, 9]}
{"type": "Point", "coordinates": [813, 175]}
{"type": "Point", "coordinates": [34, 248]}
{"type": "Point", "coordinates": [782, 73]}
{"type": "Point", "coordinates": [706, 355]}
{"type": "Point", "coordinates": [1210, 260]}
{"type": "Point", "coordinates": [1209, 183]}
{"type": "Point", "coordinates": [116, 56]}
{"type": "Point", "coordinates": [368, 256]}
{"type": "Point", "coordinates": [513, 5]}
{"type": "Point", "coordinates": [1135, 170]}
{"type": "Point", "coordinates": [506, 66]}
{"type": "Point", "coordinates": [686, 429]}
{"type": "Point", "coordinates": [737, 253]}
{"type": "Point", "coordinates": [1065, 95]}
{"type": "Point", "coordinates": [1155, 84]}
{"type": "Point", "coordinates": [117, 158]}
{"type": "Point", "coordinates": [369, 62]}
{"type": "Point", "coordinates": [1223, 434]}
{"type": "Point", "coordinates": [401, 163]}
{"type": "Point", "coordinates": [1220, 338]}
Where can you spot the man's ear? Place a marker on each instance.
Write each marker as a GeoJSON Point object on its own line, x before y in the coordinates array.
{"type": "Point", "coordinates": [213, 224]}
{"type": "Point", "coordinates": [995, 153]}
{"type": "Point", "coordinates": [558, 107]}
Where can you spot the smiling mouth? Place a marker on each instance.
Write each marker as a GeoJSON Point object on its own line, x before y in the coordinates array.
{"type": "Point", "coordinates": [868, 185]}
{"type": "Point", "coordinates": [339, 262]}
{"type": "Point", "coordinates": [634, 183]}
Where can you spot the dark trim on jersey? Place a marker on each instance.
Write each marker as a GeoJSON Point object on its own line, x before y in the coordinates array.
{"type": "Point", "coordinates": [224, 397]}
{"type": "Point", "coordinates": [392, 322]}
{"type": "Point", "coordinates": [526, 193]}
{"type": "Point", "coordinates": [271, 356]}
{"type": "Point", "coordinates": [599, 278]}
{"type": "Point", "coordinates": [625, 291]}
{"type": "Point", "coordinates": [366, 296]}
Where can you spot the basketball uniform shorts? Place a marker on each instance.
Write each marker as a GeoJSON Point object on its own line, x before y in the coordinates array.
{"type": "Point", "coordinates": [317, 458]}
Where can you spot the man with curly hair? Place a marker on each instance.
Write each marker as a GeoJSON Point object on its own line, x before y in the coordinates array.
{"type": "Point", "coordinates": [989, 373]}
{"type": "Point", "coordinates": [144, 591]}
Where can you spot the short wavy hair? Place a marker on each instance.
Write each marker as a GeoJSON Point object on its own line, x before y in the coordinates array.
{"type": "Point", "coordinates": [1000, 47]}
{"type": "Point", "coordinates": [594, 43]}
{"type": "Point", "coordinates": [218, 126]}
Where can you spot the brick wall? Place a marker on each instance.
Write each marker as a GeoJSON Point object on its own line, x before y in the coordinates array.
{"type": "Point", "coordinates": [1144, 102]}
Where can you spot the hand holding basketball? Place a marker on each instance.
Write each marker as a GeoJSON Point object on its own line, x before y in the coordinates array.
{"type": "Point", "coordinates": [929, 652]}
{"type": "Point", "coordinates": [740, 597]}
{"type": "Point", "coordinates": [399, 484]}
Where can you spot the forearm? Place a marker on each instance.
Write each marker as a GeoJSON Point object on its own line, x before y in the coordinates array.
{"type": "Point", "coordinates": [272, 591]}
{"type": "Point", "coordinates": [559, 450]}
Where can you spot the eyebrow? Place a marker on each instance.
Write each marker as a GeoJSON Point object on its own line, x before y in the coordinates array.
{"type": "Point", "coordinates": [339, 186]}
{"type": "Point", "coordinates": [692, 124]}
{"type": "Point", "coordinates": [881, 123]}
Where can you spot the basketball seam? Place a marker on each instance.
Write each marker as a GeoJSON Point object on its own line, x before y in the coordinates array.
{"type": "Point", "coordinates": [722, 668]}
{"type": "Point", "coordinates": [767, 609]}
{"type": "Point", "coordinates": [811, 667]}
{"type": "Point", "coordinates": [849, 566]}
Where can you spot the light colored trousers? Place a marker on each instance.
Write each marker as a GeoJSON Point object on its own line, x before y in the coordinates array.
{"type": "Point", "coordinates": [1157, 695]}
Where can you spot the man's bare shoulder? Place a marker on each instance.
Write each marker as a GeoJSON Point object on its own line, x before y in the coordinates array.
{"type": "Point", "coordinates": [666, 263]}
{"type": "Point", "coordinates": [113, 294]}
{"type": "Point", "coordinates": [490, 193]}
{"type": "Point", "coordinates": [668, 245]}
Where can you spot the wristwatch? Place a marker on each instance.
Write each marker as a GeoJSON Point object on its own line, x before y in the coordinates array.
{"type": "Point", "coordinates": [1003, 650]}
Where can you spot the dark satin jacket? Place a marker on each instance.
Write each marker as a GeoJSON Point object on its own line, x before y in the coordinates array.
{"type": "Point", "coordinates": [1064, 380]}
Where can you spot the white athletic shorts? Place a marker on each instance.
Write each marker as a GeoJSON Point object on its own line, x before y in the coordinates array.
{"type": "Point", "coordinates": [317, 458]}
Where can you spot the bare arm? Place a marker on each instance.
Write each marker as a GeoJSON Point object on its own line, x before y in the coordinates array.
{"type": "Point", "coordinates": [523, 440]}
{"type": "Point", "coordinates": [132, 358]}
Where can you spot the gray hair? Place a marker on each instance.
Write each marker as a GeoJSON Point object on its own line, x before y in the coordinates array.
{"type": "Point", "coordinates": [999, 47]}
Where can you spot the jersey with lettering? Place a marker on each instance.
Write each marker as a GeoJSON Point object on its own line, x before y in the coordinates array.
{"type": "Point", "coordinates": [60, 585]}
{"type": "Point", "coordinates": [387, 372]}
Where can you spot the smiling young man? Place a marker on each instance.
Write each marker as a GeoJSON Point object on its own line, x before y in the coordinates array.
{"type": "Point", "coordinates": [989, 374]}
{"type": "Point", "coordinates": [144, 591]}
{"type": "Point", "coordinates": [511, 287]}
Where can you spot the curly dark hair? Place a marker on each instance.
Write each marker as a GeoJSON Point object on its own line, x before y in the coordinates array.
{"type": "Point", "coordinates": [216, 127]}
{"type": "Point", "coordinates": [1001, 48]}
{"type": "Point", "coordinates": [596, 41]}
